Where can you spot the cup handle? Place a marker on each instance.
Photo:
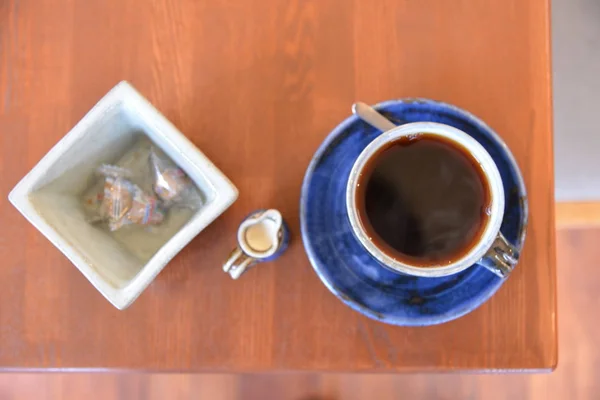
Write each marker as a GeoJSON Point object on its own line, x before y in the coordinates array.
{"type": "Point", "coordinates": [501, 258]}
{"type": "Point", "coordinates": [237, 263]}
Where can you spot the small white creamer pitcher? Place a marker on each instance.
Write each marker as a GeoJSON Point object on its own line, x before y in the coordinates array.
{"type": "Point", "coordinates": [262, 236]}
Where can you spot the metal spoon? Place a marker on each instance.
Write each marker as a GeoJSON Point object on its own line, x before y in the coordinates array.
{"type": "Point", "coordinates": [371, 116]}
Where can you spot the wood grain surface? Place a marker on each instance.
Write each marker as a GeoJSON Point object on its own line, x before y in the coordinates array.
{"type": "Point", "coordinates": [575, 376]}
{"type": "Point", "coordinates": [257, 85]}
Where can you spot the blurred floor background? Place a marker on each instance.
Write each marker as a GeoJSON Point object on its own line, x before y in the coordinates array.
{"type": "Point", "coordinates": [575, 377]}
{"type": "Point", "coordinates": [576, 63]}
{"type": "Point", "coordinates": [576, 79]}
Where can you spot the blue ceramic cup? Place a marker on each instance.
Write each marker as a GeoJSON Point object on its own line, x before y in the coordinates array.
{"type": "Point", "coordinates": [491, 249]}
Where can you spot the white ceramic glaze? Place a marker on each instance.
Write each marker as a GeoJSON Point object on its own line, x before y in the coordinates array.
{"type": "Point", "coordinates": [49, 196]}
{"type": "Point", "coordinates": [259, 236]}
{"type": "Point", "coordinates": [496, 210]}
{"type": "Point", "coordinates": [262, 236]}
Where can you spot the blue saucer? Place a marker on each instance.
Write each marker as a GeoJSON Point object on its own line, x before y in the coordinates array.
{"type": "Point", "coordinates": [350, 272]}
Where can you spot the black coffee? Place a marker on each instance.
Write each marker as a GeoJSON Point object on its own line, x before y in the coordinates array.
{"type": "Point", "coordinates": [423, 199]}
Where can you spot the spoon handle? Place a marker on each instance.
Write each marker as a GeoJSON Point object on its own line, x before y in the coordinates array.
{"type": "Point", "coordinates": [371, 116]}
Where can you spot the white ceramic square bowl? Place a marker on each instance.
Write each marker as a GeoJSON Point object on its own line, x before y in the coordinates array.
{"type": "Point", "coordinates": [49, 196]}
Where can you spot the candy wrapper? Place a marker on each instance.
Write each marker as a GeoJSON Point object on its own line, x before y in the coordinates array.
{"type": "Point", "coordinates": [140, 189]}
{"type": "Point", "coordinates": [171, 184]}
{"type": "Point", "coordinates": [116, 199]}
{"type": "Point", "coordinates": [114, 171]}
{"type": "Point", "coordinates": [145, 210]}
{"type": "Point", "coordinates": [123, 203]}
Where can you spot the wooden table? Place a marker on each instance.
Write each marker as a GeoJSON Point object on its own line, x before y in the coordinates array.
{"type": "Point", "coordinates": [257, 85]}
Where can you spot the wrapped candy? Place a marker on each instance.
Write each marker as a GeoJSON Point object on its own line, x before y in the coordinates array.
{"type": "Point", "coordinates": [171, 184]}
{"type": "Point", "coordinates": [113, 171]}
{"type": "Point", "coordinates": [145, 210]}
{"type": "Point", "coordinates": [123, 203]}
{"type": "Point", "coordinates": [116, 199]}
{"type": "Point", "coordinates": [140, 189]}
